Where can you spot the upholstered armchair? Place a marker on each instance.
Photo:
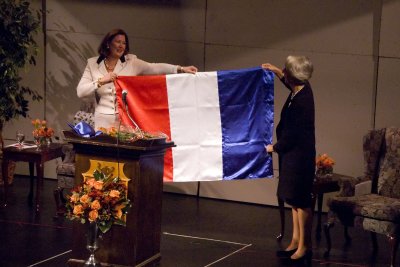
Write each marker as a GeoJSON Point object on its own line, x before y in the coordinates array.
{"type": "Point", "coordinates": [379, 210]}
{"type": "Point", "coordinates": [372, 142]}
{"type": "Point", "coordinates": [66, 169]}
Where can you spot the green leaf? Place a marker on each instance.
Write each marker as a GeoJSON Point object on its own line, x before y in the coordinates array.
{"type": "Point", "coordinates": [18, 25]}
{"type": "Point", "coordinates": [105, 227]}
{"type": "Point", "coordinates": [119, 222]}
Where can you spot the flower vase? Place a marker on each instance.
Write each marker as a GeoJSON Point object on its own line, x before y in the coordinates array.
{"type": "Point", "coordinates": [324, 173]}
{"type": "Point", "coordinates": [40, 142]}
{"type": "Point", "coordinates": [92, 244]}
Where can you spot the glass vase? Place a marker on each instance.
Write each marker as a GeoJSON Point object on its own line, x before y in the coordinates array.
{"type": "Point", "coordinates": [48, 141]}
{"type": "Point", "coordinates": [92, 244]}
{"type": "Point", "coordinates": [40, 142]}
{"type": "Point", "coordinates": [323, 173]}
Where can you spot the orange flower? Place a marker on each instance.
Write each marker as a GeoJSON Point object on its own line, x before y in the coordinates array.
{"type": "Point", "coordinates": [324, 164]}
{"type": "Point", "coordinates": [112, 131]}
{"type": "Point", "coordinates": [74, 198]}
{"type": "Point", "coordinates": [78, 210]}
{"type": "Point", "coordinates": [95, 205]}
{"type": "Point", "coordinates": [114, 193]}
{"type": "Point", "coordinates": [41, 129]}
{"type": "Point", "coordinates": [93, 215]}
{"type": "Point", "coordinates": [49, 132]}
{"type": "Point", "coordinates": [324, 161]}
{"type": "Point", "coordinates": [84, 199]}
{"type": "Point", "coordinates": [98, 185]}
{"type": "Point", "coordinates": [102, 199]}
{"type": "Point", "coordinates": [104, 130]}
{"type": "Point", "coordinates": [118, 211]}
{"type": "Point", "coordinates": [118, 214]}
{"type": "Point", "coordinates": [90, 182]}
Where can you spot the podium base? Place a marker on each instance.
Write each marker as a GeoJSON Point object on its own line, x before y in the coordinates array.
{"type": "Point", "coordinates": [148, 262]}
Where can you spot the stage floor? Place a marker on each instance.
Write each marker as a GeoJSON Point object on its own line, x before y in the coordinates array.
{"type": "Point", "coordinates": [196, 232]}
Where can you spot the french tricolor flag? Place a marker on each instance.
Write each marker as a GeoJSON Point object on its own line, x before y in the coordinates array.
{"type": "Point", "coordinates": [220, 121]}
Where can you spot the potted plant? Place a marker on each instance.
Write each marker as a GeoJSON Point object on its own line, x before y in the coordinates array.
{"type": "Point", "coordinates": [18, 24]}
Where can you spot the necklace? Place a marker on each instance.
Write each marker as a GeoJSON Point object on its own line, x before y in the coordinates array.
{"type": "Point", "coordinates": [108, 68]}
{"type": "Point", "coordinates": [295, 93]}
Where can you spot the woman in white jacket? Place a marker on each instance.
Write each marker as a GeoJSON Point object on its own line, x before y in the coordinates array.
{"type": "Point", "coordinates": [113, 60]}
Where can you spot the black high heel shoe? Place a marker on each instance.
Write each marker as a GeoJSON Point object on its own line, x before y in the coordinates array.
{"type": "Point", "coordinates": [303, 260]}
{"type": "Point", "coordinates": [285, 253]}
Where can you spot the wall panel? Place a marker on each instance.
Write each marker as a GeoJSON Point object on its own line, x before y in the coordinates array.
{"type": "Point", "coordinates": [318, 26]}
{"type": "Point", "coordinates": [388, 96]}
{"type": "Point", "coordinates": [390, 30]}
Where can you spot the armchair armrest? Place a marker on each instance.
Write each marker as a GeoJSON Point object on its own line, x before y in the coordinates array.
{"type": "Point", "coordinates": [69, 153]}
{"type": "Point", "coordinates": [348, 184]}
{"type": "Point", "coordinates": [363, 188]}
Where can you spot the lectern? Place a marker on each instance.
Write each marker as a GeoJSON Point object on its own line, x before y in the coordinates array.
{"type": "Point", "coordinates": [142, 162]}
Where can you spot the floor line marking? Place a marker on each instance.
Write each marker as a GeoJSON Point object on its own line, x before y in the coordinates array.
{"type": "Point", "coordinates": [230, 254]}
{"type": "Point", "coordinates": [40, 262]}
{"type": "Point", "coordinates": [204, 238]}
{"type": "Point", "coordinates": [324, 262]}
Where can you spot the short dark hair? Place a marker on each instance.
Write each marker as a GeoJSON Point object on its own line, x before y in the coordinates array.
{"type": "Point", "coordinates": [104, 48]}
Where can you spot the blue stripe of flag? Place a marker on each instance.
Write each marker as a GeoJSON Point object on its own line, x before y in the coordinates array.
{"type": "Point", "coordinates": [246, 98]}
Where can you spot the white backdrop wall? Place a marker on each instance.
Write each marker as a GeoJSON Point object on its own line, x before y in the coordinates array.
{"type": "Point", "coordinates": [355, 47]}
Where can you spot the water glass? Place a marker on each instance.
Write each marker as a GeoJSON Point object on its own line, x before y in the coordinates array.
{"type": "Point", "coordinates": [20, 138]}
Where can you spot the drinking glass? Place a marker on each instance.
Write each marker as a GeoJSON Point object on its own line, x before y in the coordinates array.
{"type": "Point", "coordinates": [38, 142]}
{"type": "Point", "coordinates": [20, 138]}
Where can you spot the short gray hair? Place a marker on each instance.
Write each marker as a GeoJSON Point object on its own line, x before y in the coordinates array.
{"type": "Point", "coordinates": [299, 68]}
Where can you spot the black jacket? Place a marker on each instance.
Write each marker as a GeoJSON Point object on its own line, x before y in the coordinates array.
{"type": "Point", "coordinates": [296, 148]}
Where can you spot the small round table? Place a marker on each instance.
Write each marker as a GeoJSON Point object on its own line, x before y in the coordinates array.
{"type": "Point", "coordinates": [322, 185]}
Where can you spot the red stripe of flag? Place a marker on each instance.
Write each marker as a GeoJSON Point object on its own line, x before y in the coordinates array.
{"type": "Point", "coordinates": [148, 106]}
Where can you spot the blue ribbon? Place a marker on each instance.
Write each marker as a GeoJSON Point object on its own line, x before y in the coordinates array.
{"type": "Point", "coordinates": [83, 129]}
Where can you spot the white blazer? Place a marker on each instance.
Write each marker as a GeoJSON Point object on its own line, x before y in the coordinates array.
{"type": "Point", "coordinates": [132, 66]}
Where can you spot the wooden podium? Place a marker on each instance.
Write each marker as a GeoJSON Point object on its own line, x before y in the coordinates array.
{"type": "Point", "coordinates": [137, 244]}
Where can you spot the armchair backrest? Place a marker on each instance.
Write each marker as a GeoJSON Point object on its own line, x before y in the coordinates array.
{"type": "Point", "coordinates": [388, 183]}
{"type": "Point", "coordinates": [372, 146]}
{"type": "Point", "coordinates": [86, 113]}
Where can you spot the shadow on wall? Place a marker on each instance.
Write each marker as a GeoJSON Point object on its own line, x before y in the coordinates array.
{"type": "Point", "coordinates": [62, 101]}
{"type": "Point", "coordinates": [68, 48]}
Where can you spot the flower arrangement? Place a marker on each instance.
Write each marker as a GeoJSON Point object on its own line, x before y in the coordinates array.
{"type": "Point", "coordinates": [324, 164]}
{"type": "Point", "coordinates": [129, 134]}
{"type": "Point", "coordinates": [41, 133]}
{"type": "Point", "coordinates": [100, 199]}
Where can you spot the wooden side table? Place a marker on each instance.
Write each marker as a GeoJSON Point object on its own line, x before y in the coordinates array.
{"type": "Point", "coordinates": [35, 158]}
{"type": "Point", "coordinates": [321, 186]}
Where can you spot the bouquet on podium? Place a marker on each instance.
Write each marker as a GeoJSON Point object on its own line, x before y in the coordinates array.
{"type": "Point", "coordinates": [100, 199]}
{"type": "Point", "coordinates": [125, 135]}
{"type": "Point", "coordinates": [129, 134]}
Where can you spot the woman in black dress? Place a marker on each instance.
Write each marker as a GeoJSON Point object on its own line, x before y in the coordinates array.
{"type": "Point", "coordinates": [296, 152]}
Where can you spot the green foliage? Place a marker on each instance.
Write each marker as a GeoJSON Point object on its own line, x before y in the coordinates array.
{"type": "Point", "coordinates": [18, 24]}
